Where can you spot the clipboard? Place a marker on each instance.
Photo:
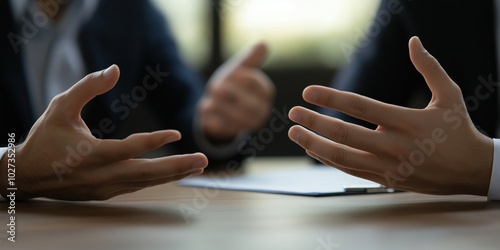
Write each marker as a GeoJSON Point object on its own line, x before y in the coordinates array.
{"type": "Point", "coordinates": [315, 181]}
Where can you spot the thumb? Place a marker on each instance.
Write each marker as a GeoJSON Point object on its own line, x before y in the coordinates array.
{"type": "Point", "coordinates": [89, 87]}
{"type": "Point", "coordinates": [441, 85]}
{"type": "Point", "coordinates": [254, 57]}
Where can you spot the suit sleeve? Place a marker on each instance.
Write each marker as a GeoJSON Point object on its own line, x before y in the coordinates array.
{"type": "Point", "coordinates": [175, 101]}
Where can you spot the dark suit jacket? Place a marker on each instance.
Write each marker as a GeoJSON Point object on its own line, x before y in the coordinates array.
{"type": "Point", "coordinates": [460, 34]}
{"type": "Point", "coordinates": [131, 34]}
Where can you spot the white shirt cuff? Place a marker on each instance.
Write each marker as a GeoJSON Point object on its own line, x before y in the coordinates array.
{"type": "Point", "coordinates": [494, 190]}
{"type": "Point", "coordinates": [2, 153]}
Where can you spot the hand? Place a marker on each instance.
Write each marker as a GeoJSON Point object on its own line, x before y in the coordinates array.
{"type": "Point", "coordinates": [238, 97]}
{"type": "Point", "coordinates": [61, 159]}
{"type": "Point", "coordinates": [436, 150]}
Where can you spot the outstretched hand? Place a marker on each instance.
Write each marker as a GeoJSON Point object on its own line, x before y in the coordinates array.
{"type": "Point", "coordinates": [436, 150]}
{"type": "Point", "coordinates": [238, 97]}
{"type": "Point", "coordinates": [61, 159]}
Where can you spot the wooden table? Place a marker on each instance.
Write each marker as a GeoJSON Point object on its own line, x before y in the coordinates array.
{"type": "Point", "coordinates": [173, 217]}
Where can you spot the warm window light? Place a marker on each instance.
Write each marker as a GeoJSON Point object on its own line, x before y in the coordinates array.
{"type": "Point", "coordinates": [300, 33]}
{"type": "Point", "coordinates": [312, 33]}
{"type": "Point", "coordinates": [189, 21]}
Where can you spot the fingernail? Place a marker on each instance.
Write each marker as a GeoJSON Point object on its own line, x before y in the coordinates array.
{"type": "Point", "coordinates": [294, 115]}
{"type": "Point", "coordinates": [294, 135]}
{"type": "Point", "coordinates": [312, 95]}
{"type": "Point", "coordinates": [170, 135]}
{"type": "Point", "coordinates": [420, 45]}
{"type": "Point", "coordinates": [106, 72]}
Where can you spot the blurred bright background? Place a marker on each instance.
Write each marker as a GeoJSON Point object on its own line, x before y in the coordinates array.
{"type": "Point", "coordinates": [300, 33]}
{"type": "Point", "coordinates": [308, 40]}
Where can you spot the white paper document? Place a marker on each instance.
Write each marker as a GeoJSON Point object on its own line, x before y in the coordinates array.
{"type": "Point", "coordinates": [308, 181]}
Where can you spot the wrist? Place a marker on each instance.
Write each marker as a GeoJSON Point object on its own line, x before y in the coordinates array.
{"type": "Point", "coordinates": [480, 178]}
{"type": "Point", "coordinates": [13, 156]}
{"type": "Point", "coordinates": [218, 139]}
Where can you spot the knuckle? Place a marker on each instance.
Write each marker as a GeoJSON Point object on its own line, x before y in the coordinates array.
{"type": "Point", "coordinates": [305, 141]}
{"type": "Point", "coordinates": [338, 156]}
{"type": "Point", "coordinates": [178, 164]}
{"type": "Point", "coordinates": [90, 77]}
{"type": "Point", "coordinates": [340, 134]}
{"type": "Point", "coordinates": [358, 106]}
{"type": "Point", "coordinates": [120, 154]}
{"type": "Point", "coordinates": [147, 173]}
{"type": "Point", "coordinates": [149, 142]}
{"type": "Point", "coordinates": [330, 101]}
{"type": "Point", "coordinates": [179, 168]}
{"type": "Point", "coordinates": [58, 100]}
{"type": "Point", "coordinates": [310, 121]}
{"type": "Point", "coordinates": [432, 63]}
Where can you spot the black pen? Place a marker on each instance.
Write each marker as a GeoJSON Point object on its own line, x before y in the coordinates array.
{"type": "Point", "coordinates": [368, 189]}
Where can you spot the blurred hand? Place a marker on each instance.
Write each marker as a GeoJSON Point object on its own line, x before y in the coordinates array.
{"type": "Point", "coordinates": [96, 169]}
{"type": "Point", "coordinates": [436, 150]}
{"type": "Point", "coordinates": [238, 97]}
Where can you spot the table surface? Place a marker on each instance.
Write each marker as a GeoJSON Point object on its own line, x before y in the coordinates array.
{"type": "Point", "coordinates": [174, 217]}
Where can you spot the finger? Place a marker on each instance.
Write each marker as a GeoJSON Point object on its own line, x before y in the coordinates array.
{"type": "Point", "coordinates": [244, 99]}
{"type": "Point", "coordinates": [157, 181]}
{"type": "Point", "coordinates": [140, 170]}
{"type": "Point", "coordinates": [117, 189]}
{"type": "Point", "coordinates": [89, 87]}
{"type": "Point", "coordinates": [339, 131]}
{"type": "Point", "coordinates": [134, 145]}
{"type": "Point", "coordinates": [361, 174]}
{"type": "Point", "coordinates": [214, 123]}
{"type": "Point", "coordinates": [335, 153]}
{"type": "Point", "coordinates": [252, 81]}
{"type": "Point", "coordinates": [358, 106]}
{"type": "Point", "coordinates": [441, 85]}
{"type": "Point", "coordinates": [241, 112]}
{"type": "Point", "coordinates": [247, 104]}
{"type": "Point", "coordinates": [253, 58]}
{"type": "Point", "coordinates": [240, 116]}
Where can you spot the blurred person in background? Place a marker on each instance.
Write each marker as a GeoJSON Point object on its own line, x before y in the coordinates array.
{"type": "Point", "coordinates": [441, 147]}
{"type": "Point", "coordinates": [49, 45]}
